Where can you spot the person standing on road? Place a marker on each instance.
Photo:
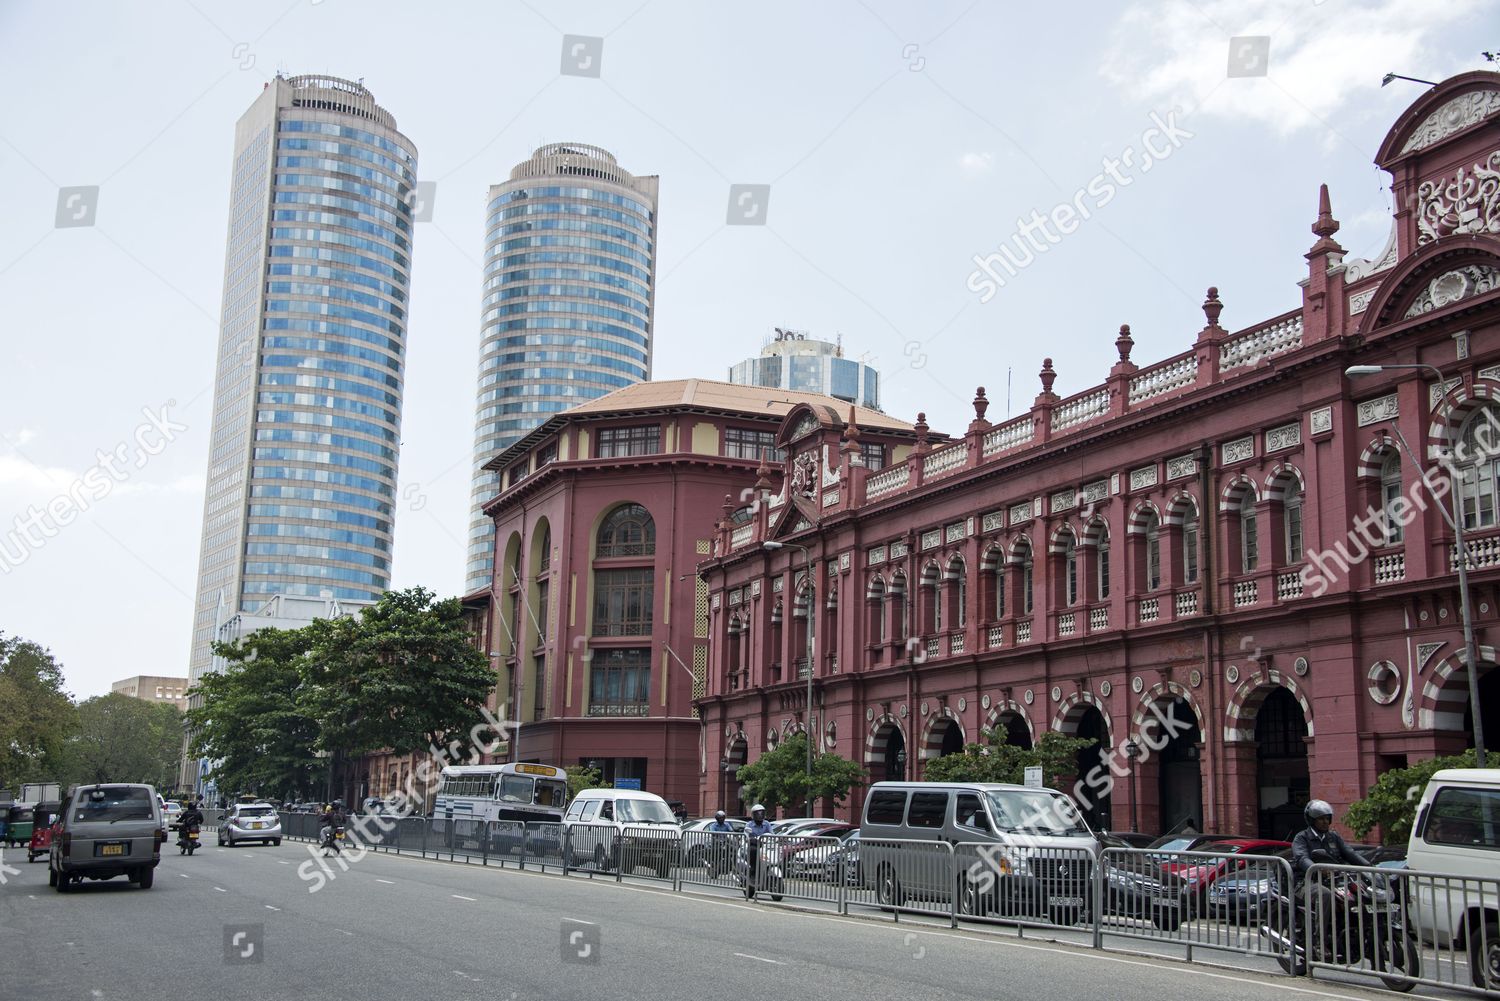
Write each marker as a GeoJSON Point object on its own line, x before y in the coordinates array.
{"type": "Point", "coordinates": [758, 828]}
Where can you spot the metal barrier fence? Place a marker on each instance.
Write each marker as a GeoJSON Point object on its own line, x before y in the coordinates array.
{"type": "Point", "coordinates": [1401, 927]}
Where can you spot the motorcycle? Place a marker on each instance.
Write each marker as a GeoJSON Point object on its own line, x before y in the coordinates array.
{"type": "Point", "coordinates": [333, 839]}
{"type": "Point", "coordinates": [1369, 927]}
{"type": "Point", "coordinates": [187, 840]}
{"type": "Point", "coordinates": [758, 869]}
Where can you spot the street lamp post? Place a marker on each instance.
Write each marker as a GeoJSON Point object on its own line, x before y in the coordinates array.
{"type": "Point", "coordinates": [1456, 522]}
{"type": "Point", "coordinates": [1132, 751]}
{"type": "Point", "coordinates": [812, 648]}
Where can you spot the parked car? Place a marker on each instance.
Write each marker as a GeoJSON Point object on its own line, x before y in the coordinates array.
{"type": "Point", "coordinates": [1126, 839]}
{"type": "Point", "coordinates": [250, 822]}
{"type": "Point", "coordinates": [697, 839]}
{"type": "Point", "coordinates": [1189, 879]}
{"type": "Point", "coordinates": [107, 830]}
{"type": "Point", "coordinates": [806, 859]}
{"type": "Point", "coordinates": [1457, 831]}
{"type": "Point", "coordinates": [1187, 842]}
{"type": "Point", "coordinates": [796, 825]}
{"type": "Point", "coordinates": [843, 862]}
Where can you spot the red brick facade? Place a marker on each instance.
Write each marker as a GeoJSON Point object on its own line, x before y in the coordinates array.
{"type": "Point", "coordinates": [1219, 495]}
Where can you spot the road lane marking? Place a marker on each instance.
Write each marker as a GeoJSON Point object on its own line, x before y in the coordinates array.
{"type": "Point", "coordinates": [759, 959]}
{"type": "Point", "coordinates": [283, 861]}
{"type": "Point", "coordinates": [390, 881]}
{"type": "Point", "coordinates": [184, 875]}
{"type": "Point", "coordinates": [221, 889]}
{"type": "Point", "coordinates": [462, 897]}
{"type": "Point", "coordinates": [270, 908]}
{"type": "Point", "coordinates": [349, 933]}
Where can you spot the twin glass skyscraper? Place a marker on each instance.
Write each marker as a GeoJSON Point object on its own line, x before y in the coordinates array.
{"type": "Point", "coordinates": [312, 346]}
{"type": "Point", "coordinates": [568, 300]}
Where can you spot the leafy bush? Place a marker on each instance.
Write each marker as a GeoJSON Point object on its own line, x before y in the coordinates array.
{"type": "Point", "coordinates": [1392, 801]}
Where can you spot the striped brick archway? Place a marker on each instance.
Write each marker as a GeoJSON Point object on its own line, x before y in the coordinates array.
{"type": "Point", "coordinates": [932, 733]}
{"type": "Point", "coordinates": [1013, 709]}
{"type": "Point", "coordinates": [1278, 478]}
{"type": "Point", "coordinates": [1445, 696]}
{"type": "Point", "coordinates": [1451, 412]}
{"type": "Point", "coordinates": [1239, 715]}
{"type": "Point", "coordinates": [1071, 710]}
{"type": "Point", "coordinates": [1229, 497]}
{"type": "Point", "coordinates": [1374, 456]}
{"type": "Point", "coordinates": [1141, 517]}
{"type": "Point", "coordinates": [879, 737]}
{"type": "Point", "coordinates": [1164, 691]}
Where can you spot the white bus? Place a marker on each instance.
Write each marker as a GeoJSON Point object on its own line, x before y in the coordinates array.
{"type": "Point", "coordinates": [473, 795]}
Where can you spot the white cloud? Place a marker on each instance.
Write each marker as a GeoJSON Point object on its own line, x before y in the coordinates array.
{"type": "Point", "coordinates": [22, 478]}
{"type": "Point", "coordinates": [976, 162]}
{"type": "Point", "coordinates": [21, 438]}
{"type": "Point", "coordinates": [1321, 55]}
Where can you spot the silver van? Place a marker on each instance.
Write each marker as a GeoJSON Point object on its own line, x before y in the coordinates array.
{"type": "Point", "coordinates": [607, 825]}
{"type": "Point", "coordinates": [1008, 850]}
{"type": "Point", "coordinates": [113, 829]}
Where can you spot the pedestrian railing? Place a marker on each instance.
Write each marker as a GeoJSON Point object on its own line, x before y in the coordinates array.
{"type": "Point", "coordinates": [1400, 927]}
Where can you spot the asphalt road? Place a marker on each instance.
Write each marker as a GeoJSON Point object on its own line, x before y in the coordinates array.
{"type": "Point", "coordinates": [398, 927]}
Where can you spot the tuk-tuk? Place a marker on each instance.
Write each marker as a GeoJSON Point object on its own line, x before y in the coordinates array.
{"type": "Point", "coordinates": [43, 816]}
{"type": "Point", "coordinates": [18, 825]}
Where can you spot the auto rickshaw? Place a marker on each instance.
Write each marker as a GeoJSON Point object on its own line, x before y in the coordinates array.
{"type": "Point", "coordinates": [43, 816]}
{"type": "Point", "coordinates": [18, 825]}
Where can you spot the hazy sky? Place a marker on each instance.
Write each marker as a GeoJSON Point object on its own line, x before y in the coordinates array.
{"type": "Point", "coordinates": [899, 140]}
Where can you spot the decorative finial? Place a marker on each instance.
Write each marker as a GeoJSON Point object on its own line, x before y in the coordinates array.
{"type": "Point", "coordinates": [1048, 376]}
{"type": "Point", "coordinates": [1325, 226]}
{"type": "Point", "coordinates": [851, 430]}
{"type": "Point", "coordinates": [980, 404]}
{"type": "Point", "coordinates": [728, 506]}
{"type": "Point", "coordinates": [762, 474]}
{"type": "Point", "coordinates": [921, 428]}
{"type": "Point", "coordinates": [1212, 307]}
{"type": "Point", "coordinates": [1124, 342]}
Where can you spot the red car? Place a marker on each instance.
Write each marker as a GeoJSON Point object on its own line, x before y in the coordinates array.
{"type": "Point", "coordinates": [1192, 877]}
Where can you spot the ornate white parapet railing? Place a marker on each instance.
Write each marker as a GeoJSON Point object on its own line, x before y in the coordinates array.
{"type": "Point", "coordinates": [995, 637]}
{"type": "Point", "coordinates": [741, 536]}
{"type": "Point", "coordinates": [1164, 379]}
{"type": "Point", "coordinates": [956, 643]}
{"type": "Point", "coordinates": [1187, 603]}
{"type": "Point", "coordinates": [1008, 436]}
{"type": "Point", "coordinates": [1023, 631]}
{"type": "Point", "coordinates": [941, 462]}
{"type": "Point", "coordinates": [1263, 342]}
{"type": "Point", "coordinates": [1288, 585]}
{"type": "Point", "coordinates": [1390, 568]}
{"type": "Point", "coordinates": [1080, 410]}
{"type": "Point", "coordinates": [1246, 593]}
{"type": "Point", "coordinates": [1150, 609]}
{"type": "Point", "coordinates": [1098, 619]}
{"type": "Point", "coordinates": [1065, 624]}
{"type": "Point", "coordinates": [887, 481]}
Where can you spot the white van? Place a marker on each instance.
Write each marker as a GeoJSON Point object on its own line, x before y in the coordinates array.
{"type": "Point", "coordinates": [1457, 832]}
{"type": "Point", "coordinates": [605, 824]}
{"type": "Point", "coordinates": [1004, 849]}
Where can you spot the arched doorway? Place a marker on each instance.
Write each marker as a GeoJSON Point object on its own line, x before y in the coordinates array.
{"type": "Point", "coordinates": [1013, 730]}
{"type": "Point", "coordinates": [1281, 764]}
{"type": "Point", "coordinates": [1489, 708]}
{"type": "Point", "coordinates": [885, 753]}
{"type": "Point", "coordinates": [1179, 775]}
{"type": "Point", "coordinates": [1096, 805]}
{"type": "Point", "coordinates": [944, 736]}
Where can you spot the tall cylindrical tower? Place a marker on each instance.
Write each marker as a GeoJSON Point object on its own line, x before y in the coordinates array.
{"type": "Point", "coordinates": [567, 303]}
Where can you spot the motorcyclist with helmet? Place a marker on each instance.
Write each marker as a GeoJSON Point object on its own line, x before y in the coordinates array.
{"type": "Point", "coordinates": [758, 827]}
{"type": "Point", "coordinates": [1316, 843]}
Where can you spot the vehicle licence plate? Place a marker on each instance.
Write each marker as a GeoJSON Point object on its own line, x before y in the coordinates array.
{"type": "Point", "coordinates": [255, 825]}
{"type": "Point", "coordinates": [1064, 901]}
{"type": "Point", "coordinates": [112, 848]}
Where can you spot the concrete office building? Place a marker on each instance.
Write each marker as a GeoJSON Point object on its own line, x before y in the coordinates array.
{"type": "Point", "coordinates": [150, 688]}
{"type": "Point", "coordinates": [792, 360]}
{"type": "Point", "coordinates": [568, 301]}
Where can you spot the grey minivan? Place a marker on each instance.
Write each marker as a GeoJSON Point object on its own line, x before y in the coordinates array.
{"type": "Point", "coordinates": [108, 830]}
{"type": "Point", "coordinates": [1010, 850]}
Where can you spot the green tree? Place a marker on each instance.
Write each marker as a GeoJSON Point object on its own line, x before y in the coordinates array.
{"type": "Point", "coordinates": [779, 778]}
{"type": "Point", "coordinates": [1392, 801]}
{"type": "Point", "coordinates": [999, 761]}
{"type": "Point", "coordinates": [253, 720]}
{"type": "Point", "coordinates": [405, 675]}
{"type": "Point", "coordinates": [124, 739]}
{"type": "Point", "coordinates": [36, 714]}
{"type": "Point", "coordinates": [581, 777]}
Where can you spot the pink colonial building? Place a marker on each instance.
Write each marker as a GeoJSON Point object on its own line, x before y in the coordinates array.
{"type": "Point", "coordinates": [599, 623]}
{"type": "Point", "coordinates": [1233, 539]}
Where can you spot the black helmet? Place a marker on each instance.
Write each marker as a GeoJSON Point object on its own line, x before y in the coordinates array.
{"type": "Point", "coordinates": [1316, 808]}
{"type": "Point", "coordinates": [719, 815]}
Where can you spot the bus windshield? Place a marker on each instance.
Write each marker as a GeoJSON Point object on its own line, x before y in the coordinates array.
{"type": "Point", "coordinates": [551, 793]}
{"type": "Point", "coordinates": [516, 788]}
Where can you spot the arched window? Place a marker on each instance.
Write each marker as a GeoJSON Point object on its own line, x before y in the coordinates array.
{"type": "Point", "coordinates": [628, 531]}
{"type": "Point", "coordinates": [1023, 550]}
{"type": "Point", "coordinates": [1291, 522]}
{"type": "Point", "coordinates": [1390, 490]}
{"type": "Point", "coordinates": [903, 610]}
{"type": "Point", "coordinates": [1101, 565]}
{"type": "Point", "coordinates": [875, 595]}
{"type": "Point", "coordinates": [1153, 551]}
{"type": "Point", "coordinates": [1249, 534]}
{"type": "Point", "coordinates": [1190, 546]}
{"type": "Point", "coordinates": [1479, 455]}
{"type": "Point", "coordinates": [1000, 591]}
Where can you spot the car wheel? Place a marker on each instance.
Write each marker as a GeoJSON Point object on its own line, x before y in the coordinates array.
{"type": "Point", "coordinates": [970, 900]}
{"type": "Point", "coordinates": [146, 877]}
{"type": "Point", "coordinates": [1484, 956]}
{"type": "Point", "coordinates": [51, 876]}
{"type": "Point", "coordinates": [1168, 919]}
{"type": "Point", "coordinates": [888, 888]}
{"type": "Point", "coordinates": [64, 882]}
{"type": "Point", "coordinates": [276, 843]}
{"type": "Point", "coordinates": [601, 858]}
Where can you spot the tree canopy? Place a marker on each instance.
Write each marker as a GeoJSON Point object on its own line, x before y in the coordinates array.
{"type": "Point", "coordinates": [403, 675]}
{"type": "Point", "coordinates": [36, 715]}
{"type": "Point", "coordinates": [998, 761]}
{"type": "Point", "coordinates": [779, 778]}
{"type": "Point", "coordinates": [123, 739]}
{"type": "Point", "coordinates": [1392, 801]}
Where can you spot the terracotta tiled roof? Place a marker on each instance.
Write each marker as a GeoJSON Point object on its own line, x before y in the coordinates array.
{"type": "Point", "coordinates": [707, 394]}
